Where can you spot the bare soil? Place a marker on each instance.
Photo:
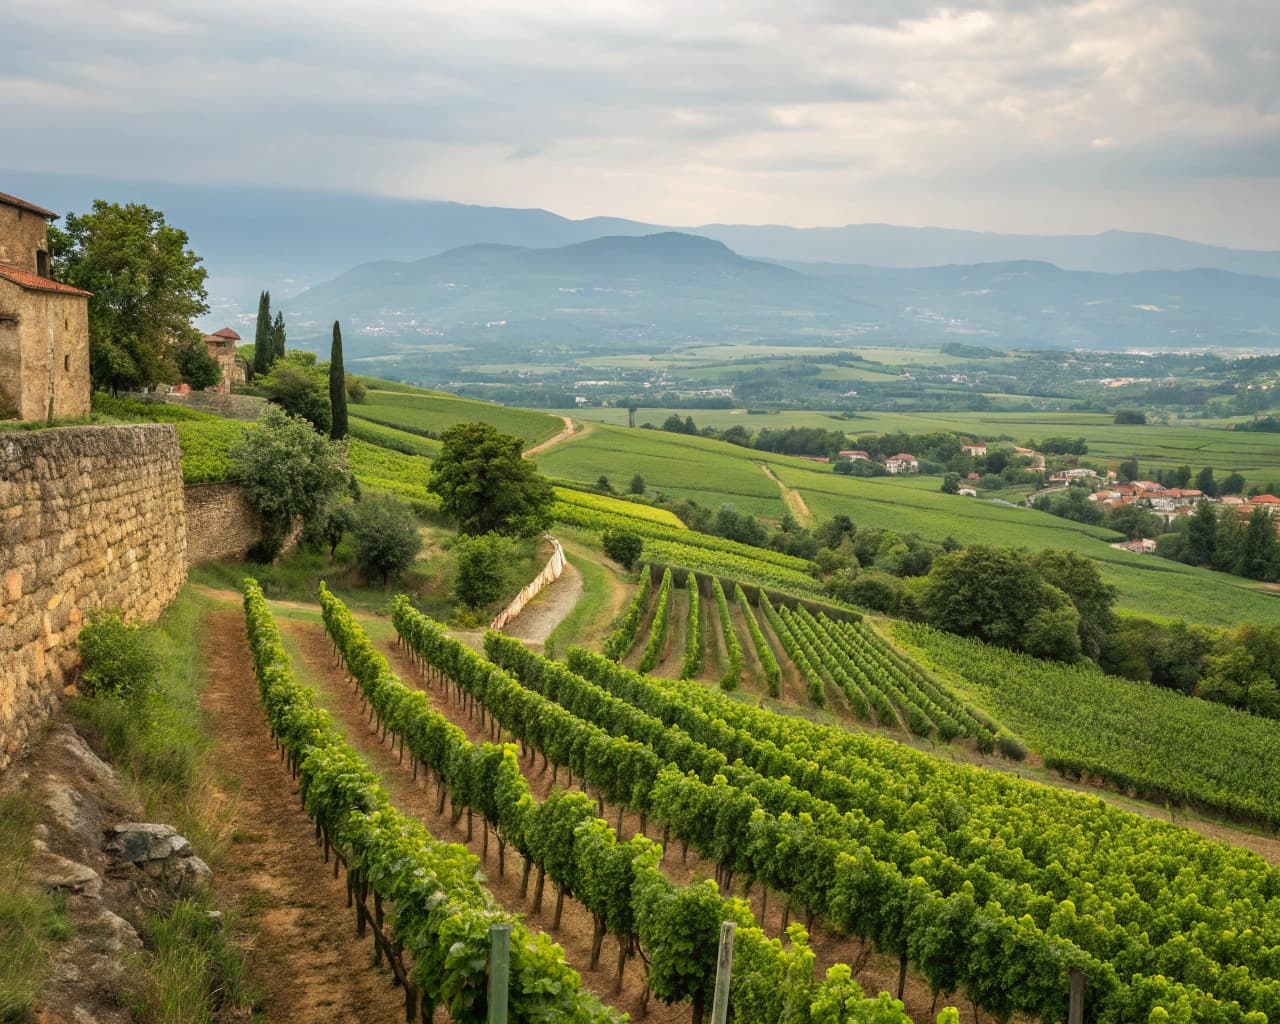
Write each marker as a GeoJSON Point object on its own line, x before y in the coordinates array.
{"type": "Point", "coordinates": [564, 435]}
{"type": "Point", "coordinates": [540, 616]}
{"type": "Point", "coordinates": [306, 959]}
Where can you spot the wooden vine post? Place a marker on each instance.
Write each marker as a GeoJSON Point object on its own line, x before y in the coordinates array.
{"type": "Point", "coordinates": [499, 972]}
{"type": "Point", "coordinates": [724, 969]}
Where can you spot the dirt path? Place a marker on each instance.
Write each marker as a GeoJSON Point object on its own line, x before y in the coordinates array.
{"type": "Point", "coordinates": [794, 500]}
{"type": "Point", "coordinates": [539, 618]}
{"type": "Point", "coordinates": [306, 959]}
{"type": "Point", "coordinates": [564, 435]}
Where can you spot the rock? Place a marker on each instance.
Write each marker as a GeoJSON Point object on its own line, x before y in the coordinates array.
{"type": "Point", "coordinates": [160, 852]}
{"type": "Point", "coordinates": [54, 872]}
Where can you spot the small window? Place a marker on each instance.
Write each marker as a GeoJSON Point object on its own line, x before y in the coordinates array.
{"type": "Point", "coordinates": [66, 363]}
{"type": "Point", "coordinates": [42, 263]}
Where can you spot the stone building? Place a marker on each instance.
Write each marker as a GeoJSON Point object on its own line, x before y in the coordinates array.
{"type": "Point", "coordinates": [44, 325]}
{"type": "Point", "coordinates": [222, 350]}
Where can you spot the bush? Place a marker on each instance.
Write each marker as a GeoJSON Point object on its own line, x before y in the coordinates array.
{"type": "Point", "coordinates": [387, 538]}
{"type": "Point", "coordinates": [483, 565]}
{"type": "Point", "coordinates": [623, 547]}
{"type": "Point", "coordinates": [119, 660]}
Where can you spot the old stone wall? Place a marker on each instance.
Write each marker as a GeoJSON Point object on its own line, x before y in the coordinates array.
{"type": "Point", "coordinates": [221, 523]}
{"type": "Point", "coordinates": [44, 351]}
{"type": "Point", "coordinates": [23, 234]}
{"type": "Point", "coordinates": [89, 517]}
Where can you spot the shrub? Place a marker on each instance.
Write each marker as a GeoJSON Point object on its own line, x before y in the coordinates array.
{"type": "Point", "coordinates": [387, 538]}
{"type": "Point", "coordinates": [118, 659]}
{"type": "Point", "coordinates": [623, 547]}
{"type": "Point", "coordinates": [483, 565]}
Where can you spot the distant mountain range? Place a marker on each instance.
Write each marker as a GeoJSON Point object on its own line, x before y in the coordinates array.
{"type": "Point", "coordinates": [672, 287]}
{"type": "Point", "coordinates": [571, 279]}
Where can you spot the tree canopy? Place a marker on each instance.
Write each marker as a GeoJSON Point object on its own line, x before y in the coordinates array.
{"type": "Point", "coordinates": [147, 287]}
{"type": "Point", "coordinates": [387, 537]}
{"type": "Point", "coordinates": [486, 486]}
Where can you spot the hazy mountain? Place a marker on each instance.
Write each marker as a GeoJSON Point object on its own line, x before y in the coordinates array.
{"type": "Point", "coordinates": [287, 240]}
{"type": "Point", "coordinates": [671, 287]}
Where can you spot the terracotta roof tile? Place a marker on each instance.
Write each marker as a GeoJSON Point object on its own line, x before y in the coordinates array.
{"type": "Point", "coordinates": [35, 283]}
{"type": "Point", "coordinates": [227, 333]}
{"type": "Point", "coordinates": [22, 204]}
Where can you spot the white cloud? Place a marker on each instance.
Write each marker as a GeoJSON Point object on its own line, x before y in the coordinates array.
{"type": "Point", "coordinates": [1034, 116]}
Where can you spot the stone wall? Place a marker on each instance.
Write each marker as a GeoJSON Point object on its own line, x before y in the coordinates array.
{"type": "Point", "coordinates": [89, 517]}
{"type": "Point", "coordinates": [23, 234]}
{"type": "Point", "coordinates": [221, 524]}
{"type": "Point", "coordinates": [44, 352]}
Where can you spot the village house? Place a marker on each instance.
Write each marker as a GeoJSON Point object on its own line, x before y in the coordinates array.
{"type": "Point", "coordinates": [902, 463]}
{"type": "Point", "coordinates": [222, 350]}
{"type": "Point", "coordinates": [1265, 501]}
{"type": "Point", "coordinates": [1036, 459]}
{"type": "Point", "coordinates": [976, 450]}
{"type": "Point", "coordinates": [44, 325]}
{"type": "Point", "coordinates": [854, 455]}
{"type": "Point", "coordinates": [1173, 499]}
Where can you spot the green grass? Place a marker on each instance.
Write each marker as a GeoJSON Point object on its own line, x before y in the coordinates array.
{"type": "Point", "coordinates": [32, 921]}
{"type": "Point", "coordinates": [436, 411]}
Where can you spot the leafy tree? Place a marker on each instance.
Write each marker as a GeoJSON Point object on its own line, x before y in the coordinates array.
{"type": "Point", "coordinates": [1131, 417]}
{"type": "Point", "coordinates": [147, 286]}
{"type": "Point", "coordinates": [299, 389]}
{"type": "Point", "coordinates": [1244, 670]}
{"type": "Point", "coordinates": [1078, 578]}
{"type": "Point", "coordinates": [951, 483]}
{"type": "Point", "coordinates": [337, 388]}
{"type": "Point", "coordinates": [1205, 482]}
{"type": "Point", "coordinates": [623, 547]}
{"type": "Point", "coordinates": [998, 596]}
{"type": "Point", "coordinates": [483, 568]}
{"type": "Point", "coordinates": [195, 366]}
{"type": "Point", "coordinates": [263, 348]}
{"type": "Point", "coordinates": [1128, 470]}
{"type": "Point", "coordinates": [1232, 483]}
{"type": "Point", "coordinates": [289, 471]}
{"type": "Point", "coordinates": [387, 537]}
{"type": "Point", "coordinates": [603, 485]}
{"type": "Point", "coordinates": [485, 484]}
{"type": "Point", "coordinates": [1202, 535]}
{"type": "Point", "coordinates": [1134, 521]}
{"type": "Point", "coordinates": [637, 483]}
{"type": "Point", "coordinates": [1258, 554]}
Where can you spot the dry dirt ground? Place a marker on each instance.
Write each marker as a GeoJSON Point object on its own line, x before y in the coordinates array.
{"type": "Point", "coordinates": [306, 959]}
{"type": "Point", "coordinates": [540, 617]}
{"type": "Point", "coordinates": [564, 435]}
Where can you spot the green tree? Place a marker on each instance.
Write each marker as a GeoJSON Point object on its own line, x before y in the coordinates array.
{"type": "Point", "coordinates": [1202, 535]}
{"type": "Point", "coordinates": [951, 483]}
{"type": "Point", "coordinates": [1128, 470]}
{"type": "Point", "coordinates": [1205, 483]}
{"type": "Point", "coordinates": [387, 537]}
{"type": "Point", "coordinates": [486, 486]}
{"type": "Point", "coordinates": [289, 472]}
{"type": "Point", "coordinates": [623, 547]}
{"type": "Point", "coordinates": [637, 483]}
{"type": "Point", "coordinates": [147, 287]}
{"type": "Point", "coordinates": [1232, 483]}
{"type": "Point", "coordinates": [1078, 578]}
{"type": "Point", "coordinates": [195, 366]}
{"type": "Point", "coordinates": [997, 595]}
{"type": "Point", "coordinates": [1258, 553]}
{"type": "Point", "coordinates": [337, 387]}
{"type": "Point", "coordinates": [1244, 669]}
{"type": "Point", "coordinates": [483, 568]}
{"type": "Point", "coordinates": [263, 347]}
{"type": "Point", "coordinates": [298, 387]}
{"type": "Point", "coordinates": [1131, 417]}
{"type": "Point", "coordinates": [603, 485]}
{"type": "Point", "coordinates": [277, 337]}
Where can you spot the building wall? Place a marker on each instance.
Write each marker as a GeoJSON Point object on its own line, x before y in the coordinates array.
{"type": "Point", "coordinates": [22, 234]}
{"type": "Point", "coordinates": [89, 517]}
{"type": "Point", "coordinates": [52, 335]}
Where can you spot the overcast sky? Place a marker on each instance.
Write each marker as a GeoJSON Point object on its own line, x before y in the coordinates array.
{"type": "Point", "coordinates": [1159, 115]}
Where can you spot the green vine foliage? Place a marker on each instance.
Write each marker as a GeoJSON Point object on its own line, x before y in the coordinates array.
{"type": "Point", "coordinates": [622, 639]}
{"type": "Point", "coordinates": [733, 649]}
{"type": "Point", "coordinates": [772, 670]}
{"type": "Point", "coordinates": [658, 628]}
{"type": "Point", "coordinates": [694, 649]}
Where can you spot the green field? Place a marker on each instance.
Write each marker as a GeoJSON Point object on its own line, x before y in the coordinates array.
{"type": "Point", "coordinates": [436, 411]}
{"type": "Point", "coordinates": [720, 419]}
{"type": "Point", "coordinates": [714, 473]}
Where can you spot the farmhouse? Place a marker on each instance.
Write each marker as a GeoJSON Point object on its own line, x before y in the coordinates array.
{"type": "Point", "coordinates": [902, 463]}
{"type": "Point", "coordinates": [44, 325]}
{"type": "Point", "coordinates": [854, 454]}
{"type": "Point", "coordinates": [222, 350]}
{"type": "Point", "coordinates": [976, 450]}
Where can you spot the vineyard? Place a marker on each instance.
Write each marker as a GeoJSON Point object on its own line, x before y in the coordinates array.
{"type": "Point", "coordinates": [1152, 742]}
{"type": "Point", "coordinates": [827, 656]}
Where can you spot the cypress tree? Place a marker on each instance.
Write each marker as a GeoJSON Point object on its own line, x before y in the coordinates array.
{"type": "Point", "coordinates": [337, 387]}
{"type": "Point", "coordinates": [277, 338]}
{"type": "Point", "coordinates": [262, 341]}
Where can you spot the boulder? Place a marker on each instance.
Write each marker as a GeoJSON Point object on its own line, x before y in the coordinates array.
{"type": "Point", "coordinates": [159, 851]}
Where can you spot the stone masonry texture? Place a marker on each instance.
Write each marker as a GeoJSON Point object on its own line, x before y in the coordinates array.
{"type": "Point", "coordinates": [90, 517]}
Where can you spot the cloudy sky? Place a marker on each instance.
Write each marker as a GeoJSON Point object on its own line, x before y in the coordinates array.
{"type": "Point", "coordinates": [1056, 115]}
